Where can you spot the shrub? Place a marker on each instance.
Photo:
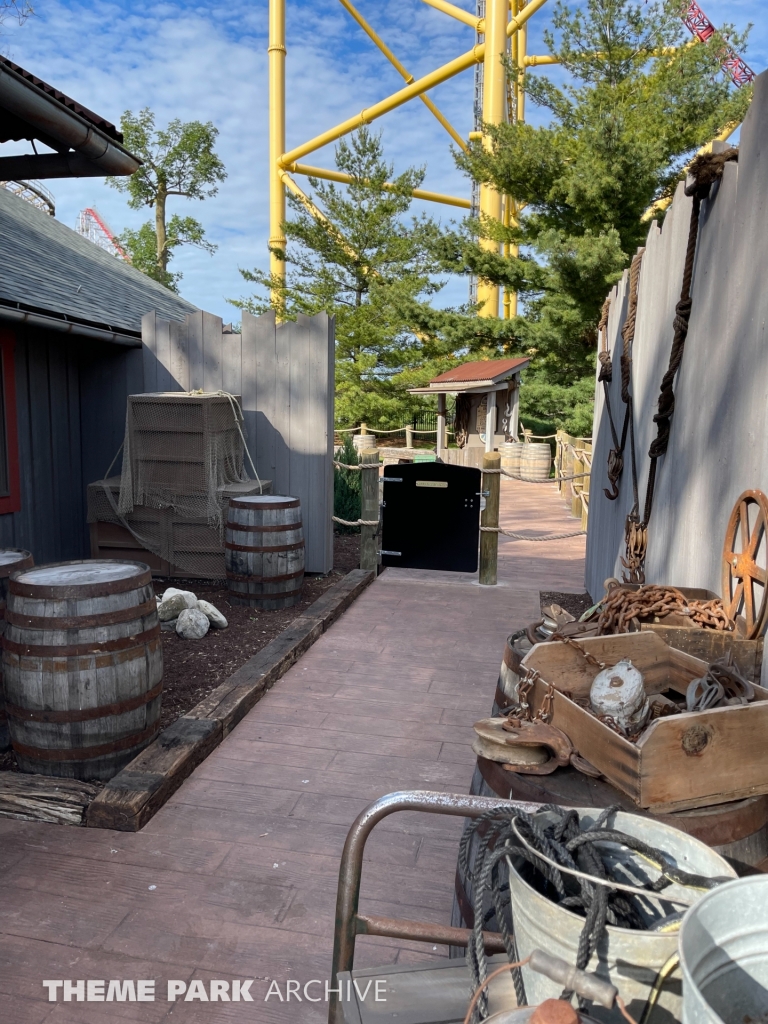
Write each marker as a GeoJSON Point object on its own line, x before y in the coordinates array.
{"type": "Point", "coordinates": [346, 488]}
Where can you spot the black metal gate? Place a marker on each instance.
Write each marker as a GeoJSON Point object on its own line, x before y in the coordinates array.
{"type": "Point", "coordinates": [431, 517]}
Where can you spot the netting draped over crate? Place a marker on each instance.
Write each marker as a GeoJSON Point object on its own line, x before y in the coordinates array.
{"type": "Point", "coordinates": [182, 460]}
{"type": "Point", "coordinates": [179, 449]}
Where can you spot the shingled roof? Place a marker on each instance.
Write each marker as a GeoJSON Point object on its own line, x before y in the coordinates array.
{"type": "Point", "coordinates": [47, 268]}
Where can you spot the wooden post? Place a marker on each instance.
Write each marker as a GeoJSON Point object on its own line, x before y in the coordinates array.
{"type": "Point", "coordinates": [363, 428]}
{"type": "Point", "coordinates": [441, 438]}
{"type": "Point", "coordinates": [490, 421]}
{"type": "Point", "coordinates": [489, 542]}
{"type": "Point", "coordinates": [369, 491]}
{"type": "Point", "coordinates": [576, 487]}
{"type": "Point", "coordinates": [409, 437]}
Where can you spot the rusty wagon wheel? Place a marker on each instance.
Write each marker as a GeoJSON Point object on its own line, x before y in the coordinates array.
{"type": "Point", "coordinates": [745, 563]}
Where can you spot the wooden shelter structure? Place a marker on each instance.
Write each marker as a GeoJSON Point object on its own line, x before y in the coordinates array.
{"type": "Point", "coordinates": [487, 403]}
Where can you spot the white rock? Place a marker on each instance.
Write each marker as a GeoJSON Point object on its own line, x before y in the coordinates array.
{"type": "Point", "coordinates": [192, 624]}
{"type": "Point", "coordinates": [173, 606]}
{"type": "Point", "coordinates": [214, 615]}
{"type": "Point", "coordinates": [191, 598]}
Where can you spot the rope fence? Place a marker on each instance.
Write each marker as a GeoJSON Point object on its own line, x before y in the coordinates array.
{"type": "Point", "coordinates": [489, 472]}
{"type": "Point", "coordinates": [528, 536]}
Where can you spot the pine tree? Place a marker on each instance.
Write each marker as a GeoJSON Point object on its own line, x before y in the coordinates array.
{"type": "Point", "coordinates": [374, 270]}
{"type": "Point", "coordinates": [642, 99]}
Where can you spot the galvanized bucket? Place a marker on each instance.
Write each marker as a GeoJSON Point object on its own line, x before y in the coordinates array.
{"type": "Point", "coordinates": [724, 955]}
{"type": "Point", "coordinates": [629, 959]}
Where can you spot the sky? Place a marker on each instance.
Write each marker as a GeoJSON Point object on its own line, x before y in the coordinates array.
{"type": "Point", "coordinates": [208, 62]}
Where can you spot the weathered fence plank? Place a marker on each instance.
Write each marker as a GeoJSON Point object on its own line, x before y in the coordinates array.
{"type": "Point", "coordinates": [284, 374]}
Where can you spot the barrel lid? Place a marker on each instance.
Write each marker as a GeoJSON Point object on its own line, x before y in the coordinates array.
{"type": "Point", "coordinates": [265, 501]}
{"type": "Point", "coordinates": [9, 556]}
{"type": "Point", "coordinates": [80, 578]}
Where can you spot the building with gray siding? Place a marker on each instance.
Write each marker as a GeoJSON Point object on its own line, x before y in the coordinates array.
{"type": "Point", "coordinates": [70, 342]}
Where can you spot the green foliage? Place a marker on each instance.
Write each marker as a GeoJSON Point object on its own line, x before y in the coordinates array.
{"type": "Point", "coordinates": [141, 246]}
{"type": "Point", "coordinates": [347, 502]}
{"type": "Point", "coordinates": [364, 264]}
{"type": "Point", "coordinates": [176, 161]}
{"type": "Point", "coordinates": [641, 101]}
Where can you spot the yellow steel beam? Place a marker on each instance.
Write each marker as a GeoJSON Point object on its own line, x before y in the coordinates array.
{"type": "Point", "coordinates": [421, 85]}
{"type": "Point", "coordinates": [276, 57]}
{"type": "Point", "coordinates": [347, 179]}
{"type": "Point", "coordinates": [525, 14]}
{"type": "Point", "coordinates": [536, 59]}
{"type": "Point", "coordinates": [494, 113]}
{"type": "Point", "coordinates": [662, 204]}
{"type": "Point", "coordinates": [478, 24]}
{"type": "Point", "coordinates": [378, 41]}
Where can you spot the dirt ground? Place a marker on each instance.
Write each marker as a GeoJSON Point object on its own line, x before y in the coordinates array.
{"type": "Point", "coordinates": [192, 668]}
{"type": "Point", "coordinates": [576, 604]}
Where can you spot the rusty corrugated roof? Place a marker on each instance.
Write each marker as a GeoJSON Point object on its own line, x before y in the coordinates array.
{"type": "Point", "coordinates": [481, 369]}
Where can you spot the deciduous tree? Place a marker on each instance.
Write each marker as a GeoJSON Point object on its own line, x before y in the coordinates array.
{"type": "Point", "coordinates": [176, 161]}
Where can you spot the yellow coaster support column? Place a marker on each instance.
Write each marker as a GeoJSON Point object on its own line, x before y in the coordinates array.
{"type": "Point", "coordinates": [494, 104]}
{"type": "Point", "coordinates": [276, 53]}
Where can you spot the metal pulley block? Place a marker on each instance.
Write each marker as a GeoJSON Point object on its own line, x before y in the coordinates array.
{"type": "Point", "coordinates": [619, 692]}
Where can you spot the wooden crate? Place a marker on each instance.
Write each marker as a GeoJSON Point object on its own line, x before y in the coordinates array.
{"type": "Point", "coordinates": [693, 759]}
{"type": "Point", "coordinates": [711, 644]}
{"type": "Point", "coordinates": [113, 540]}
{"type": "Point", "coordinates": [708, 644]}
{"type": "Point", "coordinates": [171, 435]}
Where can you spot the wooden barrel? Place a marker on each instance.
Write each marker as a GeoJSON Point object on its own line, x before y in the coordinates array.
{"type": "Point", "coordinates": [364, 442]}
{"type": "Point", "coordinates": [83, 666]}
{"type": "Point", "coordinates": [11, 559]}
{"type": "Point", "coordinates": [264, 551]}
{"type": "Point", "coordinates": [535, 462]}
{"type": "Point", "coordinates": [510, 458]}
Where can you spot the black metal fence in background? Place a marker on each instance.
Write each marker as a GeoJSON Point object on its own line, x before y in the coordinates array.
{"type": "Point", "coordinates": [426, 419]}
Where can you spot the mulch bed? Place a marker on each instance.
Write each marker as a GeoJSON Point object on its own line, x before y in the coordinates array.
{"type": "Point", "coordinates": [576, 604]}
{"type": "Point", "coordinates": [193, 668]}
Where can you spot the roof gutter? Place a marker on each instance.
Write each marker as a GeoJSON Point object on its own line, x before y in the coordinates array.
{"type": "Point", "coordinates": [52, 118]}
{"type": "Point", "coordinates": [52, 323]}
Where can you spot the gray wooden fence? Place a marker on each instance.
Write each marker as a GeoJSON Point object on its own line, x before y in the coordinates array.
{"type": "Point", "coordinates": [284, 374]}
{"type": "Point", "coordinates": [718, 446]}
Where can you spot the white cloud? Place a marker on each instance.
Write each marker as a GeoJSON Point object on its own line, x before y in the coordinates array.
{"type": "Point", "coordinates": [209, 62]}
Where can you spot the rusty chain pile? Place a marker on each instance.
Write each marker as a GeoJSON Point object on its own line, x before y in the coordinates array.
{"type": "Point", "coordinates": [623, 610]}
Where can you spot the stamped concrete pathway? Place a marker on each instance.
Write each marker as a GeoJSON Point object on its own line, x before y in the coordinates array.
{"type": "Point", "coordinates": [235, 878]}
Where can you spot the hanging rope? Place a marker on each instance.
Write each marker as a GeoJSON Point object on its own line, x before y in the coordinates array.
{"type": "Point", "coordinates": [705, 171]}
{"type": "Point", "coordinates": [616, 454]}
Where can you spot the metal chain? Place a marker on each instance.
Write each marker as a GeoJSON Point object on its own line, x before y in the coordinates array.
{"type": "Point", "coordinates": [623, 608]}
{"type": "Point", "coordinates": [589, 658]}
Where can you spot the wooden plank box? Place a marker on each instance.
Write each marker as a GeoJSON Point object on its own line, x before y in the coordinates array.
{"type": "Point", "coordinates": [693, 759]}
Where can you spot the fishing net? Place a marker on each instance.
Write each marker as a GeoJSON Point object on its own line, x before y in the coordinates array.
{"type": "Point", "coordinates": [183, 459]}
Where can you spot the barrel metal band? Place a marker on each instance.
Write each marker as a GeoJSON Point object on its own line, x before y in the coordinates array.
{"type": "Point", "coordinates": [120, 707]}
{"type": "Point", "coordinates": [278, 547]}
{"type": "Point", "coordinates": [250, 528]}
{"type": "Point", "coordinates": [242, 503]}
{"type": "Point", "coordinates": [86, 753]}
{"type": "Point", "coordinates": [137, 611]}
{"type": "Point", "coordinates": [74, 650]}
{"type": "Point", "coordinates": [65, 592]}
{"type": "Point", "coordinates": [265, 579]}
